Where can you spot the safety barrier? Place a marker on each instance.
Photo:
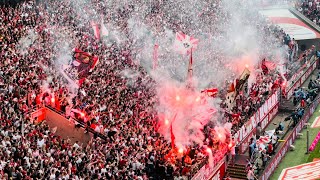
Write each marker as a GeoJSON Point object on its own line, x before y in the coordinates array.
{"type": "Point", "coordinates": [264, 115]}
{"type": "Point", "coordinates": [298, 79]}
{"type": "Point", "coordinates": [289, 141]}
{"type": "Point", "coordinates": [215, 172]}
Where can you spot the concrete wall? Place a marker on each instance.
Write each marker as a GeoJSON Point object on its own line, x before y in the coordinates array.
{"type": "Point", "coordinates": [66, 129]}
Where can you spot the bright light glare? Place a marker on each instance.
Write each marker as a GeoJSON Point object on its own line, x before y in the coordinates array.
{"type": "Point", "coordinates": [166, 121]}
{"type": "Point", "coordinates": [178, 98]}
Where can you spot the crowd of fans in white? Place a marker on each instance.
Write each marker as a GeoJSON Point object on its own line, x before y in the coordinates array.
{"type": "Point", "coordinates": [132, 149]}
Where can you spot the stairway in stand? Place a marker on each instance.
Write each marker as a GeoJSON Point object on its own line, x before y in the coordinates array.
{"type": "Point", "coordinates": [287, 105]}
{"type": "Point", "coordinates": [237, 171]}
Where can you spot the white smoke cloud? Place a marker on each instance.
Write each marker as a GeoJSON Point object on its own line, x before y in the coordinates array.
{"type": "Point", "coordinates": [26, 42]}
{"type": "Point", "coordinates": [235, 37]}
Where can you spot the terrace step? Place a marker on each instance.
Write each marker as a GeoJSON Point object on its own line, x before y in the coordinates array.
{"type": "Point", "coordinates": [237, 171]}
{"type": "Point", "coordinates": [287, 105]}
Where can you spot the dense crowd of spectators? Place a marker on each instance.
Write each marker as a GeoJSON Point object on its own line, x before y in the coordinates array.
{"type": "Point", "coordinates": [133, 149]}
{"type": "Point", "coordinates": [112, 104]}
{"type": "Point", "coordinates": [310, 8]}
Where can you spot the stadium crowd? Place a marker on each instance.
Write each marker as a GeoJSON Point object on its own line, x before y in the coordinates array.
{"type": "Point", "coordinates": [132, 149]}
{"type": "Point", "coordinates": [310, 9]}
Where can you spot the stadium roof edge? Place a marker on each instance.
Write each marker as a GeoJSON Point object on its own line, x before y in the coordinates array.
{"type": "Point", "coordinates": [292, 22]}
{"type": "Point", "coordinates": [305, 19]}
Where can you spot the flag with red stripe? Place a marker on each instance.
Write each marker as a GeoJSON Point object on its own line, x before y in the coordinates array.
{"type": "Point", "coordinates": [96, 30]}
{"type": "Point", "coordinates": [184, 44]}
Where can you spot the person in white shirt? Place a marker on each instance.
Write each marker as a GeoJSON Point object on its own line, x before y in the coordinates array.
{"type": "Point", "coordinates": [233, 154]}
{"type": "Point", "coordinates": [75, 145]}
{"type": "Point", "coordinates": [52, 175]}
{"type": "Point", "coordinates": [250, 174]}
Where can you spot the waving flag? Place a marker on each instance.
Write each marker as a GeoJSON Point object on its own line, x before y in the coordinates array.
{"type": "Point", "coordinates": [96, 30]}
{"type": "Point", "coordinates": [211, 92]}
{"type": "Point", "coordinates": [243, 80]}
{"type": "Point", "coordinates": [230, 97]}
{"type": "Point", "coordinates": [270, 65]}
{"type": "Point", "coordinates": [204, 115]}
{"type": "Point", "coordinates": [267, 66]}
{"type": "Point", "coordinates": [184, 43]}
{"type": "Point", "coordinates": [84, 62]}
{"type": "Point", "coordinates": [104, 31]}
{"type": "Point", "coordinates": [80, 67]}
{"type": "Point", "coordinates": [172, 136]}
{"type": "Point", "coordinates": [263, 140]}
{"type": "Point", "coordinates": [171, 132]}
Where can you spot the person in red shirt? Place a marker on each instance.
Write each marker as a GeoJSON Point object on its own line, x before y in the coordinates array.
{"type": "Point", "coordinates": [270, 149]}
{"type": "Point", "coordinates": [303, 103]}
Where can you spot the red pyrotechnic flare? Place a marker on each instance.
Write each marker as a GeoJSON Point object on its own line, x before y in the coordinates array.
{"type": "Point", "coordinates": [166, 121]}
{"type": "Point", "coordinates": [198, 99]}
{"type": "Point", "coordinates": [208, 150]}
{"type": "Point", "coordinates": [178, 98]}
{"type": "Point", "coordinates": [247, 66]}
{"type": "Point", "coordinates": [180, 150]}
{"type": "Point", "coordinates": [82, 114]}
{"type": "Point", "coordinates": [284, 84]}
{"type": "Point", "coordinates": [52, 99]}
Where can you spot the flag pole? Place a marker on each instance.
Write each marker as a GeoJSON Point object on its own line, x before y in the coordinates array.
{"type": "Point", "coordinates": [171, 131]}
{"type": "Point", "coordinates": [155, 56]}
{"type": "Point", "coordinates": [190, 72]}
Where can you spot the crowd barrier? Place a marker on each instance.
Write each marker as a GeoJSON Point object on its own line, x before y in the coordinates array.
{"type": "Point", "coordinates": [215, 172]}
{"type": "Point", "coordinates": [264, 115]}
{"type": "Point", "coordinates": [289, 141]}
{"type": "Point", "coordinates": [298, 79]}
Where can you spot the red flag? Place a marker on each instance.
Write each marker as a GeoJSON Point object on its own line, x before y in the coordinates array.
{"type": "Point", "coordinates": [172, 136]}
{"type": "Point", "coordinates": [104, 32]}
{"type": "Point", "coordinates": [232, 87]}
{"type": "Point", "coordinates": [171, 132]}
{"type": "Point", "coordinates": [211, 92]}
{"type": "Point", "coordinates": [96, 30]}
{"type": "Point", "coordinates": [184, 43]}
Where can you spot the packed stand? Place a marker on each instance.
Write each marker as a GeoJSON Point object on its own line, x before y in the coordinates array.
{"type": "Point", "coordinates": [260, 157]}
{"type": "Point", "coordinates": [310, 8]}
{"type": "Point", "coordinates": [29, 80]}
{"type": "Point", "coordinates": [132, 149]}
